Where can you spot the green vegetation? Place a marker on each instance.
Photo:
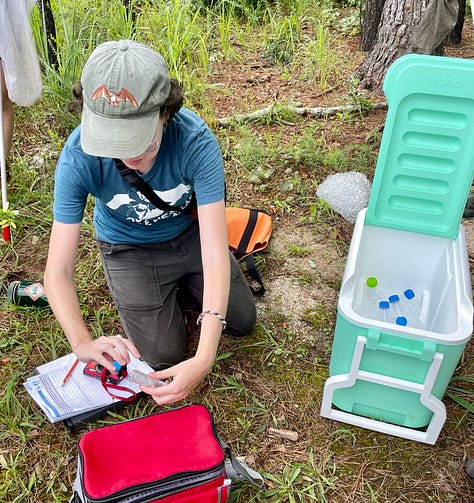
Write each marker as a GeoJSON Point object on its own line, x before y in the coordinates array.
{"type": "Point", "coordinates": [283, 54]}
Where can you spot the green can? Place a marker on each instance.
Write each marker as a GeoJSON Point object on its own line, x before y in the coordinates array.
{"type": "Point", "coordinates": [27, 293]}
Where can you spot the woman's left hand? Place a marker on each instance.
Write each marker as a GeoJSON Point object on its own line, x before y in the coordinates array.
{"type": "Point", "coordinates": [183, 379]}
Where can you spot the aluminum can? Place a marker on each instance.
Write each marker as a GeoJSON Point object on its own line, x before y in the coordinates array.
{"type": "Point", "coordinates": [27, 293]}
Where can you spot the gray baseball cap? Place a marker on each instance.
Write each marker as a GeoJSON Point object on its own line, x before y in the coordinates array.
{"type": "Point", "coordinates": [124, 85]}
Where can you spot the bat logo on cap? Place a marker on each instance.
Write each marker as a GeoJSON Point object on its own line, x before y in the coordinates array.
{"type": "Point", "coordinates": [113, 99]}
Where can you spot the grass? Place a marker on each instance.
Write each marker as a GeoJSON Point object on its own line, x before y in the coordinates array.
{"type": "Point", "coordinates": [275, 377]}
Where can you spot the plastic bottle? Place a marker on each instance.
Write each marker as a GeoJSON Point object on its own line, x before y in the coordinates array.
{"type": "Point", "coordinates": [27, 293]}
{"type": "Point", "coordinates": [371, 299]}
{"type": "Point", "coordinates": [384, 306]}
{"type": "Point", "coordinates": [141, 378]}
{"type": "Point", "coordinates": [400, 318]}
{"type": "Point", "coordinates": [412, 307]}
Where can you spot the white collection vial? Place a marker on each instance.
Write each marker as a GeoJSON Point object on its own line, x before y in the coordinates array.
{"type": "Point", "coordinates": [138, 377]}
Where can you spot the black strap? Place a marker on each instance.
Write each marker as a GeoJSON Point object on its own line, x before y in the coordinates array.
{"type": "Point", "coordinates": [249, 259]}
{"type": "Point", "coordinates": [248, 231]}
{"type": "Point", "coordinates": [137, 182]}
{"type": "Point", "coordinates": [253, 273]}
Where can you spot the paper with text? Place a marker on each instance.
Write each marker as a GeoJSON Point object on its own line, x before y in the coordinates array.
{"type": "Point", "coordinates": [79, 394]}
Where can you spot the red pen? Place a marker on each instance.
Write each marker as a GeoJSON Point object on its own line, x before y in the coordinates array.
{"type": "Point", "coordinates": [69, 372]}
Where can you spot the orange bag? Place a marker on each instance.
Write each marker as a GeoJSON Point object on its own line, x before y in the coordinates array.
{"type": "Point", "coordinates": [249, 231]}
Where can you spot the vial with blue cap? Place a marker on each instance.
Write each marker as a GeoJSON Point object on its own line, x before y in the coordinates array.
{"type": "Point", "coordinates": [384, 313]}
{"type": "Point", "coordinates": [412, 307]}
{"type": "Point", "coordinates": [400, 318]}
{"type": "Point", "coordinates": [120, 370]}
{"type": "Point", "coordinates": [408, 308]}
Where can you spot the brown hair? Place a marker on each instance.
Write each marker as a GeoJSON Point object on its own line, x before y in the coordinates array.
{"type": "Point", "coordinates": [172, 104]}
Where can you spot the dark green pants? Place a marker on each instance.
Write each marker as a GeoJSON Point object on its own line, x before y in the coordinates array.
{"type": "Point", "coordinates": [144, 281]}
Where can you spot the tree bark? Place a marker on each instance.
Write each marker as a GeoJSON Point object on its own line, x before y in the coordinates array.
{"type": "Point", "coordinates": [398, 21]}
{"type": "Point", "coordinates": [370, 24]}
{"type": "Point", "coordinates": [47, 21]}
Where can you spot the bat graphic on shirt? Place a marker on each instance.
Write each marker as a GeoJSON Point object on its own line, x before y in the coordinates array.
{"type": "Point", "coordinates": [137, 208]}
{"type": "Point", "coordinates": [113, 99]}
{"type": "Point", "coordinates": [171, 196]}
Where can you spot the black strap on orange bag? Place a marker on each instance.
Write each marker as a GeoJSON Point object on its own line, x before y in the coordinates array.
{"type": "Point", "coordinates": [249, 231]}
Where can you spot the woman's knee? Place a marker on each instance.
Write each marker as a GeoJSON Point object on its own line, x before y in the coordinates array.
{"type": "Point", "coordinates": [161, 353]}
{"type": "Point", "coordinates": [164, 360]}
{"type": "Point", "coordinates": [241, 323]}
{"type": "Point", "coordinates": [160, 344]}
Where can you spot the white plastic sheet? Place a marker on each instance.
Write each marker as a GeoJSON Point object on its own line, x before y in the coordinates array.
{"type": "Point", "coordinates": [346, 193]}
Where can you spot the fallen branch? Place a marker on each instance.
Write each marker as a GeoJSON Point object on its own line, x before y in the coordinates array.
{"type": "Point", "coordinates": [287, 434]}
{"type": "Point", "coordinates": [314, 111]}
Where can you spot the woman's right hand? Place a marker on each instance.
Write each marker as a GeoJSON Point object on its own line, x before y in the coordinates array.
{"type": "Point", "coordinates": [105, 350]}
{"type": "Point", "coordinates": [62, 297]}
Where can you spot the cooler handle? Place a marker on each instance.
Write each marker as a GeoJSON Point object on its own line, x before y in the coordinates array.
{"type": "Point", "coordinates": [348, 380]}
{"type": "Point", "coordinates": [424, 350]}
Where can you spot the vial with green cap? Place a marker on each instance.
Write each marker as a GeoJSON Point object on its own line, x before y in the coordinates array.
{"type": "Point", "coordinates": [372, 282]}
{"type": "Point", "coordinates": [372, 297]}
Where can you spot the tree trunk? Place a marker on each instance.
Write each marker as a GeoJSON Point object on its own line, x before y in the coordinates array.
{"type": "Point", "coordinates": [370, 24]}
{"type": "Point", "coordinates": [47, 21]}
{"type": "Point", "coordinates": [398, 21]}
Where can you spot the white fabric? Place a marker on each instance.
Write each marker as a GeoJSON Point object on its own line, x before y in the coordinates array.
{"type": "Point", "coordinates": [18, 52]}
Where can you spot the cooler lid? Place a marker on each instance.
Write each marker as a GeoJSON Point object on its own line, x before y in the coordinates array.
{"type": "Point", "coordinates": [425, 164]}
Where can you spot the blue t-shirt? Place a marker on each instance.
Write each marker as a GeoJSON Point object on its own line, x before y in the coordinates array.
{"type": "Point", "coordinates": [189, 159]}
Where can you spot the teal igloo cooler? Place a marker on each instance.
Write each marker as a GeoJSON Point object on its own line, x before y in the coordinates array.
{"type": "Point", "coordinates": [405, 304]}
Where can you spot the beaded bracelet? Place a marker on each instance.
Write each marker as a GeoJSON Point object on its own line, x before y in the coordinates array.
{"type": "Point", "coordinates": [215, 313]}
